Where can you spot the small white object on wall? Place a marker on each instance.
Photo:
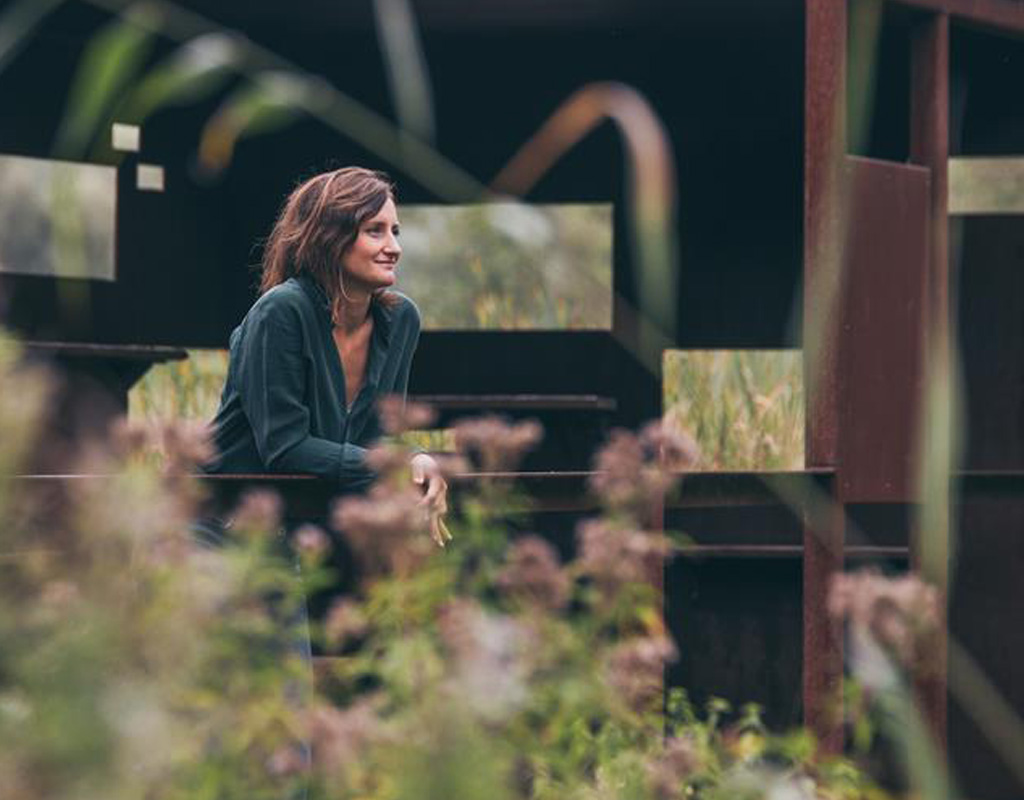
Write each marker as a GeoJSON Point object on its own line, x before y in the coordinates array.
{"type": "Point", "coordinates": [126, 138]}
{"type": "Point", "coordinates": [149, 178]}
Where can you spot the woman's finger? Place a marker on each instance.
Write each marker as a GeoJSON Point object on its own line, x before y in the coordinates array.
{"type": "Point", "coordinates": [436, 530]}
{"type": "Point", "coordinates": [435, 489]}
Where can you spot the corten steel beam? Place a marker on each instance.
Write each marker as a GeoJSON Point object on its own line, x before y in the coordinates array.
{"type": "Point", "coordinates": [1004, 15]}
{"type": "Point", "coordinates": [824, 196]}
{"type": "Point", "coordinates": [929, 146]}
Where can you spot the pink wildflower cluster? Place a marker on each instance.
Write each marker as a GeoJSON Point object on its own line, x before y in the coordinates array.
{"type": "Point", "coordinates": [340, 737]}
{"type": "Point", "coordinates": [387, 459]}
{"type": "Point", "coordinates": [493, 444]}
{"type": "Point", "coordinates": [632, 472]}
{"type": "Point", "coordinates": [901, 614]}
{"type": "Point", "coordinates": [311, 542]}
{"type": "Point", "coordinates": [397, 415]}
{"type": "Point", "coordinates": [614, 556]}
{"type": "Point", "coordinates": [679, 759]}
{"type": "Point", "coordinates": [386, 528]}
{"type": "Point", "coordinates": [185, 444]}
{"type": "Point", "coordinates": [258, 513]}
{"type": "Point", "coordinates": [533, 575]}
{"type": "Point", "coordinates": [345, 623]}
{"type": "Point", "coordinates": [635, 670]}
{"type": "Point", "coordinates": [491, 656]}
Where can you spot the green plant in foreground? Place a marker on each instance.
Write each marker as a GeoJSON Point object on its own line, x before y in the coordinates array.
{"type": "Point", "coordinates": [138, 663]}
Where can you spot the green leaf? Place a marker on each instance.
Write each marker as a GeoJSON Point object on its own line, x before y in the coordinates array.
{"type": "Point", "coordinates": [194, 71]}
{"type": "Point", "coordinates": [111, 59]}
{"type": "Point", "coordinates": [271, 102]}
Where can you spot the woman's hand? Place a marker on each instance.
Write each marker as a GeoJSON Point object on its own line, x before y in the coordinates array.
{"type": "Point", "coordinates": [427, 473]}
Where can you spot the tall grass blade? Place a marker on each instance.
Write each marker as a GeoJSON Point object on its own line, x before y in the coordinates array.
{"type": "Point", "coordinates": [196, 70]}
{"type": "Point", "coordinates": [406, 67]}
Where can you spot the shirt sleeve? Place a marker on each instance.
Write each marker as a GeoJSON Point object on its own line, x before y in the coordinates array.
{"type": "Point", "coordinates": [411, 341]}
{"type": "Point", "coordinates": [271, 384]}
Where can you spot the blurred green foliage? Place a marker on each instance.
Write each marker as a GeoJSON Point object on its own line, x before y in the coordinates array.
{"type": "Point", "coordinates": [136, 662]}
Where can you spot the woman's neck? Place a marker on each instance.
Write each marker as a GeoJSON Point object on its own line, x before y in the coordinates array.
{"type": "Point", "coordinates": [353, 312]}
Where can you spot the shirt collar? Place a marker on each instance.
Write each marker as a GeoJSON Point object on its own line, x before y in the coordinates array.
{"type": "Point", "coordinates": [381, 314]}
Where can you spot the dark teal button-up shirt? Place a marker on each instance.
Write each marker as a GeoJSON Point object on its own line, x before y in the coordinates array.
{"type": "Point", "coordinates": [283, 407]}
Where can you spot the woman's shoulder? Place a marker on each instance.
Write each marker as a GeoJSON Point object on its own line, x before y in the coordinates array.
{"type": "Point", "coordinates": [287, 299]}
{"type": "Point", "coordinates": [402, 309]}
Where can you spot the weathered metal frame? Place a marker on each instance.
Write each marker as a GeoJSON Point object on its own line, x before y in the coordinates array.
{"type": "Point", "coordinates": [826, 207]}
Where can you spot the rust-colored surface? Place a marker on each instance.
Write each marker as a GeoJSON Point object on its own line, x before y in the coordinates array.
{"type": "Point", "coordinates": [929, 147]}
{"type": "Point", "coordinates": [824, 147]}
{"type": "Point", "coordinates": [1005, 14]}
{"type": "Point", "coordinates": [824, 198]}
{"type": "Point", "coordinates": [823, 638]}
{"type": "Point", "coordinates": [882, 316]}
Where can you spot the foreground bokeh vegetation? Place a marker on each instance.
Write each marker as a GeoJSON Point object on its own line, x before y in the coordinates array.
{"type": "Point", "coordinates": [136, 662]}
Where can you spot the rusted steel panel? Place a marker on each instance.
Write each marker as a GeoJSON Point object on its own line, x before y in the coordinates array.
{"type": "Point", "coordinates": [881, 347]}
{"type": "Point", "coordinates": [824, 149]}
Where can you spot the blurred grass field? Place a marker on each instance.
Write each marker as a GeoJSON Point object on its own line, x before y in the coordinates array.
{"type": "Point", "coordinates": [191, 389]}
{"type": "Point", "coordinates": [745, 408]}
{"type": "Point", "coordinates": [188, 389]}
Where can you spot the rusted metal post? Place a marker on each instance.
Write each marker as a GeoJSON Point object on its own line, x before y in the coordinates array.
{"type": "Point", "coordinates": [824, 234]}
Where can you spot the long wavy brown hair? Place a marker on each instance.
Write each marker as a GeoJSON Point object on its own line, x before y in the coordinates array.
{"type": "Point", "coordinates": [318, 223]}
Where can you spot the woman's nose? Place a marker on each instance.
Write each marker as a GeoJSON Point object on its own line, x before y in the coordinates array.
{"type": "Point", "coordinates": [393, 246]}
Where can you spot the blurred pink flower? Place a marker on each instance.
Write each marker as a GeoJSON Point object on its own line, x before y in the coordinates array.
{"type": "Point", "coordinates": [311, 542]}
{"type": "Point", "coordinates": [341, 736]}
{"type": "Point", "coordinates": [258, 512]}
{"type": "Point", "coordinates": [491, 654]}
{"type": "Point", "coordinates": [676, 449]}
{"type": "Point", "coordinates": [387, 459]}
{"type": "Point", "coordinates": [666, 773]}
{"type": "Point", "coordinates": [901, 614]}
{"type": "Point", "coordinates": [130, 438]}
{"type": "Point", "coordinates": [386, 528]}
{"type": "Point", "coordinates": [630, 473]}
{"type": "Point", "coordinates": [287, 760]}
{"type": "Point", "coordinates": [615, 556]}
{"type": "Point", "coordinates": [186, 445]}
{"type": "Point", "coordinates": [345, 622]}
{"type": "Point", "coordinates": [532, 574]}
{"type": "Point", "coordinates": [59, 595]}
{"type": "Point", "coordinates": [493, 444]}
{"type": "Point", "coordinates": [397, 415]}
{"type": "Point", "coordinates": [635, 670]}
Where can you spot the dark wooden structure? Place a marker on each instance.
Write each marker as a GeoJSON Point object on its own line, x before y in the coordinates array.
{"type": "Point", "coordinates": [799, 187]}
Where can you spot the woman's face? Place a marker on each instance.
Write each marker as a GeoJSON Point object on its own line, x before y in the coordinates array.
{"type": "Point", "coordinates": [369, 263]}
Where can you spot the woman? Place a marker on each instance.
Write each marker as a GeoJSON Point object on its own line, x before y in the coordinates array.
{"type": "Point", "coordinates": [326, 339]}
